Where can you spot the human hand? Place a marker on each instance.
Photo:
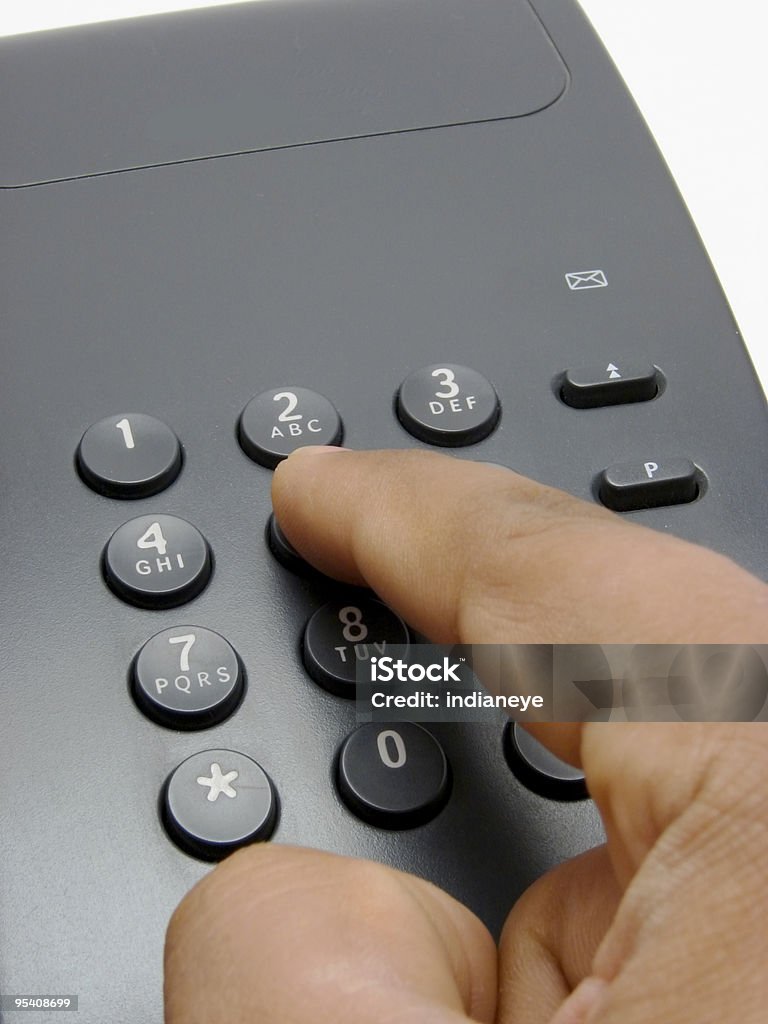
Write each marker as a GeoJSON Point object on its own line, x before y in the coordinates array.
{"type": "Point", "coordinates": [668, 923]}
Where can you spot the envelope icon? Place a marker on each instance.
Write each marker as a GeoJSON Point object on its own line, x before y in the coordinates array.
{"type": "Point", "coordinates": [586, 279]}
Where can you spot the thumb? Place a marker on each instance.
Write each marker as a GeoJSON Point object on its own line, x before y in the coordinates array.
{"type": "Point", "coordinates": [473, 553]}
{"type": "Point", "coordinates": [282, 935]}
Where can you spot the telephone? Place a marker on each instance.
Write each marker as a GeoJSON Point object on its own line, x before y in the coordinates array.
{"type": "Point", "coordinates": [229, 232]}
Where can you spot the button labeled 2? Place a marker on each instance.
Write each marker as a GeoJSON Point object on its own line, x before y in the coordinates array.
{"type": "Point", "coordinates": [277, 422]}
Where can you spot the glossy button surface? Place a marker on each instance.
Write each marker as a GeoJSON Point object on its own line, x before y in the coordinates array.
{"type": "Point", "coordinates": [187, 677]}
{"type": "Point", "coordinates": [540, 770]}
{"type": "Point", "coordinates": [448, 405]}
{"type": "Point", "coordinates": [217, 801]}
{"type": "Point", "coordinates": [157, 561]}
{"type": "Point", "coordinates": [345, 633]}
{"type": "Point", "coordinates": [129, 456]}
{"type": "Point", "coordinates": [393, 776]}
{"type": "Point", "coordinates": [283, 550]}
{"type": "Point", "coordinates": [277, 422]}
{"type": "Point", "coordinates": [610, 385]}
{"type": "Point", "coordinates": [629, 486]}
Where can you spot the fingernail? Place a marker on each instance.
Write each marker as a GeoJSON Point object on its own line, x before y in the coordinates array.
{"type": "Point", "coordinates": [320, 449]}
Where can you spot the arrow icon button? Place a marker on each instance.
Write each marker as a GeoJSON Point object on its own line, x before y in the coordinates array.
{"type": "Point", "coordinates": [588, 388]}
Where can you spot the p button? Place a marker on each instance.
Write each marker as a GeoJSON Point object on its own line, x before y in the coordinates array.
{"type": "Point", "coordinates": [631, 486]}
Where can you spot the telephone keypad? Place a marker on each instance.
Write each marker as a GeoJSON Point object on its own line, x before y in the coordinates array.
{"type": "Point", "coordinates": [392, 776]}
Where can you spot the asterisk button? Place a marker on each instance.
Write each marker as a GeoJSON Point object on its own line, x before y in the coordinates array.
{"type": "Point", "coordinates": [218, 783]}
{"type": "Point", "coordinates": [209, 828]}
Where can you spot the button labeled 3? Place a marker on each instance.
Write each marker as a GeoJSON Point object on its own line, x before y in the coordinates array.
{"type": "Point", "coordinates": [447, 405]}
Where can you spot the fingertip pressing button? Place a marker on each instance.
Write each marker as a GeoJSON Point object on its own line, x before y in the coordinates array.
{"type": "Point", "coordinates": [538, 769]}
{"type": "Point", "coordinates": [217, 801]}
{"type": "Point", "coordinates": [283, 550]}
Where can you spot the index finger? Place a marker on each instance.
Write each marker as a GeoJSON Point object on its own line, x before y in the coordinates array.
{"type": "Point", "coordinates": [474, 553]}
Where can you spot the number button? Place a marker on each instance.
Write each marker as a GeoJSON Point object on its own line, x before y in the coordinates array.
{"type": "Point", "coordinates": [393, 776]}
{"type": "Point", "coordinates": [448, 405]}
{"type": "Point", "coordinates": [187, 678]}
{"type": "Point", "coordinates": [157, 561]}
{"type": "Point", "coordinates": [129, 456]}
{"type": "Point", "coordinates": [277, 422]}
{"type": "Point", "coordinates": [217, 801]}
{"type": "Point", "coordinates": [342, 635]}
{"type": "Point", "coordinates": [283, 550]}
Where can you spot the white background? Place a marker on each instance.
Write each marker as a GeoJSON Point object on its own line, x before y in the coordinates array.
{"type": "Point", "coordinates": [695, 69]}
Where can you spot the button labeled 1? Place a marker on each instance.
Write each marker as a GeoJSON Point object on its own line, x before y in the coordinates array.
{"type": "Point", "coordinates": [277, 422]}
{"type": "Point", "coordinates": [157, 561]}
{"type": "Point", "coordinates": [448, 405]}
{"type": "Point", "coordinates": [129, 456]}
{"type": "Point", "coordinates": [187, 678]}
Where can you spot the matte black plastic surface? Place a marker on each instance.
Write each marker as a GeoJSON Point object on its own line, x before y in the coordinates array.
{"type": "Point", "coordinates": [182, 291]}
{"type": "Point", "coordinates": [188, 86]}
